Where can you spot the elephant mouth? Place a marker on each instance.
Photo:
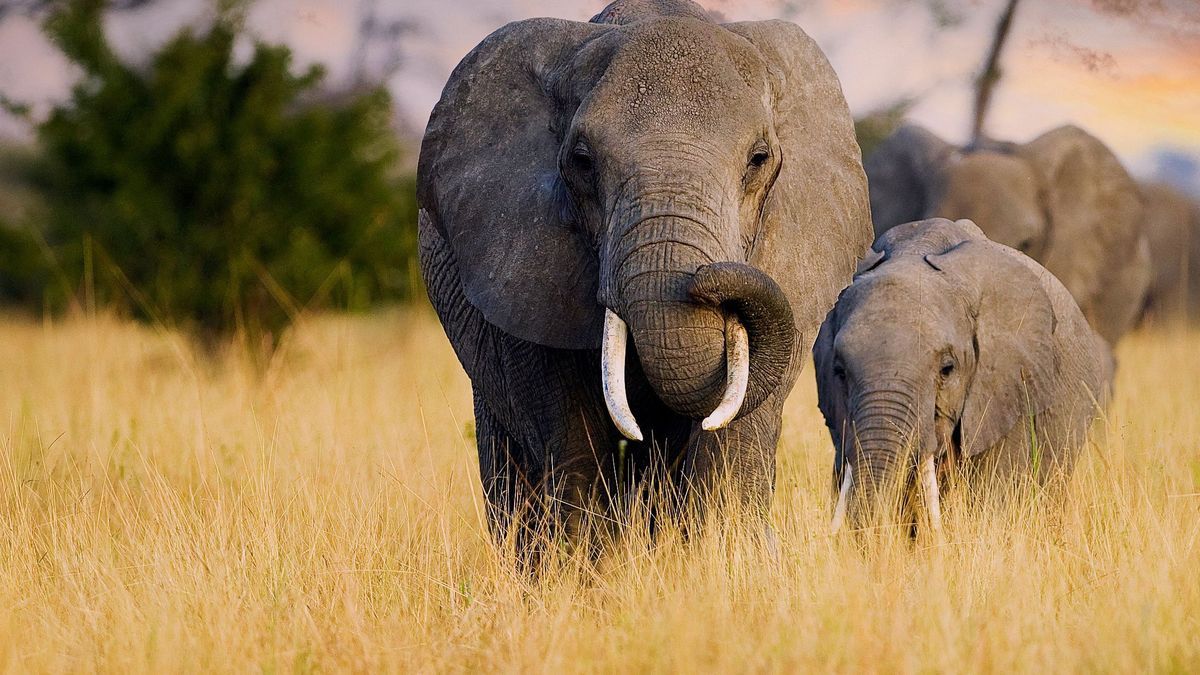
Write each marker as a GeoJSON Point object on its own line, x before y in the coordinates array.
{"type": "Point", "coordinates": [759, 337]}
{"type": "Point", "coordinates": [612, 366]}
{"type": "Point", "coordinates": [923, 478]}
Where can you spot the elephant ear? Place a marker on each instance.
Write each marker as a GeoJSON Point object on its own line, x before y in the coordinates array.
{"type": "Point", "coordinates": [1094, 210]}
{"type": "Point", "coordinates": [904, 172]}
{"type": "Point", "coordinates": [831, 397]}
{"type": "Point", "coordinates": [488, 180]}
{"type": "Point", "coordinates": [816, 222]}
{"type": "Point", "coordinates": [1017, 361]}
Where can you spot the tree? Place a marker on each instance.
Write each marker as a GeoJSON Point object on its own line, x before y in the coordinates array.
{"type": "Point", "coordinates": [871, 129]}
{"type": "Point", "coordinates": [989, 77]}
{"type": "Point", "coordinates": [216, 195]}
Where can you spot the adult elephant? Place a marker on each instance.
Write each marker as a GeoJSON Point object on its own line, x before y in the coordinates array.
{"type": "Point", "coordinates": [1063, 199]}
{"type": "Point", "coordinates": [653, 173]}
{"type": "Point", "coordinates": [1172, 226]}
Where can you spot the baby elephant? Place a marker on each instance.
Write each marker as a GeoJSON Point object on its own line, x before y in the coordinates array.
{"type": "Point", "coordinates": [950, 350]}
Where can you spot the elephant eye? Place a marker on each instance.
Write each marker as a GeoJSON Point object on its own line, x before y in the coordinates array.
{"type": "Point", "coordinates": [947, 367]}
{"type": "Point", "coordinates": [582, 160]}
{"type": "Point", "coordinates": [1025, 245]}
{"type": "Point", "coordinates": [759, 158]}
{"type": "Point", "coordinates": [839, 370]}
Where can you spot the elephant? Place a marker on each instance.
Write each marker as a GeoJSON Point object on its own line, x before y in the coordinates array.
{"type": "Point", "coordinates": [1172, 227]}
{"type": "Point", "coordinates": [952, 355]}
{"type": "Point", "coordinates": [1063, 199]}
{"type": "Point", "coordinates": [651, 173]}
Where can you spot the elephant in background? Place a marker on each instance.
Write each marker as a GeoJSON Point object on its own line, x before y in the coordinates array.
{"type": "Point", "coordinates": [653, 174]}
{"type": "Point", "coordinates": [950, 351]}
{"type": "Point", "coordinates": [1172, 226]}
{"type": "Point", "coordinates": [1063, 199]}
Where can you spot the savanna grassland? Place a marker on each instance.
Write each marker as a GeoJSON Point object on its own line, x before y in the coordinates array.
{"type": "Point", "coordinates": [166, 510]}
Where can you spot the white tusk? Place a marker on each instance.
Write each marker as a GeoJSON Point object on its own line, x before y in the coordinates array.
{"type": "Point", "coordinates": [839, 511]}
{"type": "Point", "coordinates": [929, 488]}
{"type": "Point", "coordinates": [612, 369]}
{"type": "Point", "coordinates": [737, 375]}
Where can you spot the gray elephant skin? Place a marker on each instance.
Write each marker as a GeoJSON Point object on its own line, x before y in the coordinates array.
{"type": "Point", "coordinates": [650, 173]}
{"type": "Point", "coordinates": [950, 353]}
{"type": "Point", "coordinates": [1172, 226]}
{"type": "Point", "coordinates": [1063, 199]}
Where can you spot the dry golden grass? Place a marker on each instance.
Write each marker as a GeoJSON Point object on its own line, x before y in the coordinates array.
{"type": "Point", "coordinates": [163, 512]}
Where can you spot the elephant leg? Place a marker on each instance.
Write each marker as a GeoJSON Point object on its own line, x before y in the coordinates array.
{"type": "Point", "coordinates": [544, 437]}
{"type": "Point", "coordinates": [509, 489]}
{"type": "Point", "coordinates": [739, 458]}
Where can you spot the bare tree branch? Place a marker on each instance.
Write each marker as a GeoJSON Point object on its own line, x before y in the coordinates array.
{"type": "Point", "coordinates": [985, 84]}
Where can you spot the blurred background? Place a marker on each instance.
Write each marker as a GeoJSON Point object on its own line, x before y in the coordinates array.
{"type": "Point", "coordinates": [224, 167]}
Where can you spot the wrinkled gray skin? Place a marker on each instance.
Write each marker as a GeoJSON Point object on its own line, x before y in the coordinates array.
{"type": "Point", "coordinates": [1063, 199]}
{"type": "Point", "coordinates": [951, 345]}
{"type": "Point", "coordinates": [666, 167]}
{"type": "Point", "coordinates": [1172, 226]}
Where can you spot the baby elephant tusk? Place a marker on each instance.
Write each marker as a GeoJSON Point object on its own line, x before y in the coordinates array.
{"type": "Point", "coordinates": [737, 375]}
{"type": "Point", "coordinates": [929, 489]}
{"type": "Point", "coordinates": [612, 369]}
{"type": "Point", "coordinates": [839, 511]}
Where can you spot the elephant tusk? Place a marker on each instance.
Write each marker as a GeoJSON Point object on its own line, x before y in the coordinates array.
{"type": "Point", "coordinates": [737, 375]}
{"type": "Point", "coordinates": [929, 489]}
{"type": "Point", "coordinates": [612, 369]}
{"type": "Point", "coordinates": [839, 511]}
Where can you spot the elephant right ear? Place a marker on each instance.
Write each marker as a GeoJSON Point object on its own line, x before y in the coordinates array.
{"type": "Point", "coordinates": [488, 179]}
{"type": "Point", "coordinates": [831, 396]}
{"type": "Point", "coordinates": [902, 174]}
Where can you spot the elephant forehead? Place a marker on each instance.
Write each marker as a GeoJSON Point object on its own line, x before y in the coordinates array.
{"type": "Point", "coordinates": [901, 295]}
{"type": "Point", "coordinates": [680, 73]}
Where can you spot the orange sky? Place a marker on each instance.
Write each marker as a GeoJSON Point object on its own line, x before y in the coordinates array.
{"type": "Point", "coordinates": [1129, 71]}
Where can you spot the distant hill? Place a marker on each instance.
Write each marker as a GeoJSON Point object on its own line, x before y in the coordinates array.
{"type": "Point", "coordinates": [1178, 169]}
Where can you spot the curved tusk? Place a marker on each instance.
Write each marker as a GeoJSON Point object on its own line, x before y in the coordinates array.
{"type": "Point", "coordinates": [737, 375]}
{"type": "Point", "coordinates": [839, 511]}
{"type": "Point", "coordinates": [929, 489]}
{"type": "Point", "coordinates": [612, 369]}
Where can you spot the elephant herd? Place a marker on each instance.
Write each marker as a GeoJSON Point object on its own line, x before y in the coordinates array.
{"type": "Point", "coordinates": [1123, 249]}
{"type": "Point", "coordinates": [634, 230]}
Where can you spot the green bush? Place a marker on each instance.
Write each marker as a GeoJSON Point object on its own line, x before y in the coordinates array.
{"type": "Point", "coordinates": [872, 128]}
{"type": "Point", "coordinates": [24, 275]}
{"type": "Point", "coordinates": [218, 195]}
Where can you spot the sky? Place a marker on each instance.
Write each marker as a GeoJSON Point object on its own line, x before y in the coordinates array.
{"type": "Point", "coordinates": [1126, 70]}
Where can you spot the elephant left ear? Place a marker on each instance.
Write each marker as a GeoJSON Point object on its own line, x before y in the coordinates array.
{"type": "Point", "coordinates": [816, 223]}
{"type": "Point", "coordinates": [1017, 360]}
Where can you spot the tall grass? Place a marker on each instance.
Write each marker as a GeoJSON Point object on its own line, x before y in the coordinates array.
{"type": "Point", "coordinates": [163, 510]}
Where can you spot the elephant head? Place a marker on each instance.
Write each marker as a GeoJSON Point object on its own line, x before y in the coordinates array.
{"type": "Point", "coordinates": [942, 345]}
{"type": "Point", "coordinates": [651, 173]}
{"type": "Point", "coordinates": [1063, 199]}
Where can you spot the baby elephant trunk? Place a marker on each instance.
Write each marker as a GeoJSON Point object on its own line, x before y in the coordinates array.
{"type": "Point", "coordinates": [878, 469]}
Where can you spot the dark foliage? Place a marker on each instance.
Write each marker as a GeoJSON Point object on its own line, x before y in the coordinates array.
{"type": "Point", "coordinates": [872, 128]}
{"type": "Point", "coordinates": [216, 194]}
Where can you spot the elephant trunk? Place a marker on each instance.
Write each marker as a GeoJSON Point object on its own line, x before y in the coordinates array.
{"type": "Point", "coordinates": [685, 312]}
{"type": "Point", "coordinates": [883, 427]}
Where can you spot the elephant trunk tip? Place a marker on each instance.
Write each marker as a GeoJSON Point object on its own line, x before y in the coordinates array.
{"type": "Point", "coordinates": [749, 297]}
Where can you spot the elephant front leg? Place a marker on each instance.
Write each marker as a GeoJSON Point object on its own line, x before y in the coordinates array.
{"type": "Point", "coordinates": [515, 514]}
{"type": "Point", "coordinates": [736, 463]}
